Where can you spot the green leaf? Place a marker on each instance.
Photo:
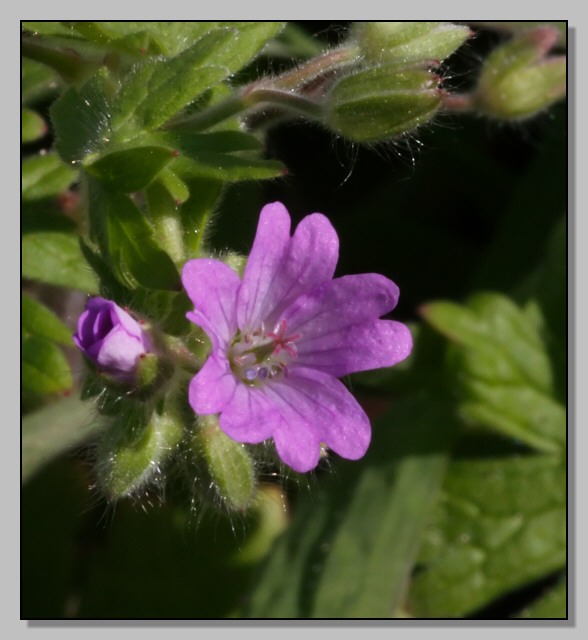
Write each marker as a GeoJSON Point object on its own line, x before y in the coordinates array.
{"type": "Point", "coordinates": [352, 543]}
{"type": "Point", "coordinates": [44, 176]}
{"type": "Point", "coordinates": [126, 240]}
{"type": "Point", "coordinates": [547, 289]}
{"type": "Point", "coordinates": [176, 82]}
{"type": "Point", "coordinates": [230, 168]}
{"type": "Point", "coordinates": [88, 107]}
{"type": "Point", "coordinates": [500, 525]}
{"type": "Point", "coordinates": [54, 430]}
{"type": "Point", "coordinates": [38, 320]}
{"type": "Point", "coordinates": [168, 38]}
{"type": "Point", "coordinates": [44, 367]}
{"type": "Point", "coordinates": [56, 258]}
{"type": "Point", "coordinates": [222, 155]}
{"type": "Point", "coordinates": [37, 82]}
{"type": "Point", "coordinates": [158, 90]}
{"type": "Point", "coordinates": [551, 605]}
{"type": "Point", "coordinates": [502, 371]}
{"type": "Point", "coordinates": [196, 213]}
{"type": "Point", "coordinates": [32, 126]}
{"type": "Point", "coordinates": [48, 28]}
{"type": "Point", "coordinates": [129, 169]}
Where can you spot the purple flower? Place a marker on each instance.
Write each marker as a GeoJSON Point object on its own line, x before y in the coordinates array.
{"type": "Point", "coordinates": [282, 336]}
{"type": "Point", "coordinates": [108, 336]}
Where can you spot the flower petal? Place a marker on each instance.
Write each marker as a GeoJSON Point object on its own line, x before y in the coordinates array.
{"type": "Point", "coordinates": [249, 416]}
{"type": "Point", "coordinates": [118, 350]}
{"type": "Point", "coordinates": [371, 345]}
{"type": "Point", "coordinates": [131, 326]}
{"type": "Point", "coordinates": [212, 286]}
{"type": "Point", "coordinates": [315, 407]}
{"type": "Point", "coordinates": [297, 445]}
{"type": "Point", "coordinates": [340, 303]}
{"type": "Point", "coordinates": [335, 414]}
{"type": "Point", "coordinates": [212, 387]}
{"type": "Point", "coordinates": [281, 268]}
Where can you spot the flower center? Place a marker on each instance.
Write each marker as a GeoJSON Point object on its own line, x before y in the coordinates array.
{"type": "Point", "coordinates": [262, 355]}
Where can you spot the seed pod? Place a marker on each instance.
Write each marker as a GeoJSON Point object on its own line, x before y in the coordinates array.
{"type": "Point", "coordinates": [409, 42]}
{"type": "Point", "coordinates": [376, 104]}
{"type": "Point", "coordinates": [518, 79]}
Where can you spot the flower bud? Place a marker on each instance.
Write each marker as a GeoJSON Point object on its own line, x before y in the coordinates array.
{"type": "Point", "coordinates": [518, 79]}
{"type": "Point", "coordinates": [409, 42]}
{"type": "Point", "coordinates": [111, 339]}
{"type": "Point", "coordinates": [133, 451]}
{"type": "Point", "coordinates": [380, 103]}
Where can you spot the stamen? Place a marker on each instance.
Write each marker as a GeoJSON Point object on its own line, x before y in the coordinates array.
{"type": "Point", "coordinates": [257, 356]}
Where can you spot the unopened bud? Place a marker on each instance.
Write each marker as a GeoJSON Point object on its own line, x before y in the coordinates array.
{"type": "Point", "coordinates": [518, 80]}
{"type": "Point", "coordinates": [376, 104]}
{"type": "Point", "coordinates": [409, 42]}
{"type": "Point", "coordinates": [133, 451]}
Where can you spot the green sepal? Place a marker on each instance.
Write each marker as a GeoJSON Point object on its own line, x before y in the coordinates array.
{"type": "Point", "coordinates": [229, 463]}
{"type": "Point", "coordinates": [381, 103]}
{"type": "Point", "coordinates": [134, 449]}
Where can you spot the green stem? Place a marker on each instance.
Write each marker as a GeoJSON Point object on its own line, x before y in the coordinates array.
{"type": "Point", "coordinates": [315, 68]}
{"type": "Point", "coordinates": [68, 64]}
{"type": "Point", "coordinates": [457, 102]}
{"type": "Point", "coordinates": [285, 99]}
{"type": "Point", "coordinates": [209, 117]}
{"type": "Point", "coordinates": [276, 91]}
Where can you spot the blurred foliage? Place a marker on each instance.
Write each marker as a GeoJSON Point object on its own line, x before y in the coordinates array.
{"type": "Point", "coordinates": [459, 508]}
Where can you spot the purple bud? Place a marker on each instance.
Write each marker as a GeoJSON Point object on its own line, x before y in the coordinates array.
{"type": "Point", "coordinates": [108, 336]}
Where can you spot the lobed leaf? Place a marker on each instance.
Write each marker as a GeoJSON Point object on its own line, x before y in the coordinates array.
{"type": "Point", "coordinates": [553, 604]}
{"type": "Point", "coordinates": [337, 565]}
{"type": "Point", "coordinates": [501, 523]}
{"type": "Point", "coordinates": [502, 370]}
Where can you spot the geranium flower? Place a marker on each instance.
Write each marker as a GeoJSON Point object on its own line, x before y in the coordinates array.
{"type": "Point", "coordinates": [108, 336]}
{"type": "Point", "coordinates": [282, 336]}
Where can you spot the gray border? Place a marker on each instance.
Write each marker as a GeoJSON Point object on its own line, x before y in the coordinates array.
{"type": "Point", "coordinates": [576, 229]}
